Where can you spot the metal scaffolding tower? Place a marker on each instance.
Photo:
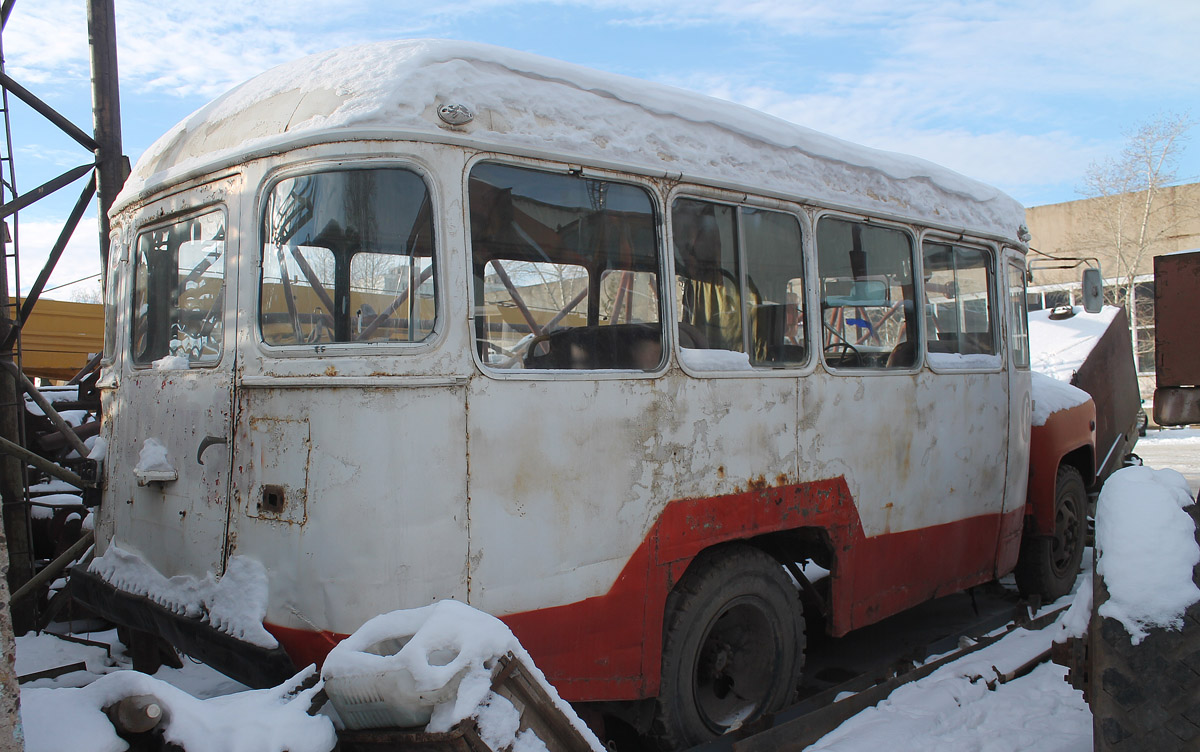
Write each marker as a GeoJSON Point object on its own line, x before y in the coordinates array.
{"type": "Point", "coordinates": [105, 171]}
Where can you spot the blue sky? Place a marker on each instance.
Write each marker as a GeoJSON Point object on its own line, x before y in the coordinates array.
{"type": "Point", "coordinates": [1023, 94]}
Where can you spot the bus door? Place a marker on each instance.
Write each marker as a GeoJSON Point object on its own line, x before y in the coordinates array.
{"type": "Point", "coordinates": [1020, 411]}
{"type": "Point", "coordinates": [969, 391]}
{"type": "Point", "coordinates": [170, 437]}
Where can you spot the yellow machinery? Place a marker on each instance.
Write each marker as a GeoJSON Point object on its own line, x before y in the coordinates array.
{"type": "Point", "coordinates": [59, 338]}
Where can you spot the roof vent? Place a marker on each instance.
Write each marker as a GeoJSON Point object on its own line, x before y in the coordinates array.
{"type": "Point", "coordinates": [455, 114]}
{"type": "Point", "coordinates": [1062, 312]}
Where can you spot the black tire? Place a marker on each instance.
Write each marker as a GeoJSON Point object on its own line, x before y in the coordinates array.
{"type": "Point", "coordinates": [1145, 696]}
{"type": "Point", "coordinates": [1048, 564]}
{"type": "Point", "coordinates": [733, 646]}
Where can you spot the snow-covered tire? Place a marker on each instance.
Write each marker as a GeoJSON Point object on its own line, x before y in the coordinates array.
{"type": "Point", "coordinates": [1048, 564]}
{"type": "Point", "coordinates": [733, 646]}
{"type": "Point", "coordinates": [1145, 696]}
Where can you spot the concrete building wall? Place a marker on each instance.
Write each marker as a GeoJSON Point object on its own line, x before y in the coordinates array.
{"type": "Point", "coordinates": [1071, 229]}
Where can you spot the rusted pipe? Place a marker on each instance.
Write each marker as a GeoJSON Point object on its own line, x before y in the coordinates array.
{"type": "Point", "coordinates": [54, 568]}
{"type": "Point", "coordinates": [43, 464]}
{"type": "Point", "coordinates": [516, 298]}
{"type": "Point", "coordinates": [71, 437]}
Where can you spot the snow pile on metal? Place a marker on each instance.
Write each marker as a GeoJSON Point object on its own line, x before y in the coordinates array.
{"type": "Point", "coordinates": [153, 457]}
{"type": "Point", "coordinates": [1147, 549]}
{"type": "Point", "coordinates": [268, 720]}
{"type": "Point", "coordinates": [1051, 395]}
{"type": "Point", "coordinates": [526, 102]}
{"type": "Point", "coordinates": [434, 666]}
{"type": "Point", "coordinates": [234, 603]}
{"type": "Point", "coordinates": [1058, 348]}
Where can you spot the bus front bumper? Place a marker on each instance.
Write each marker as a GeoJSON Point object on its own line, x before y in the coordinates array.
{"type": "Point", "coordinates": [255, 666]}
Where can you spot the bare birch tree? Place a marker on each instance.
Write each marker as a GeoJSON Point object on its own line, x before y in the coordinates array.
{"type": "Point", "coordinates": [1135, 208]}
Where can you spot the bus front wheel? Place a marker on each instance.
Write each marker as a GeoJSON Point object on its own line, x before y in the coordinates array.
{"type": "Point", "coordinates": [1048, 565]}
{"type": "Point", "coordinates": [733, 646]}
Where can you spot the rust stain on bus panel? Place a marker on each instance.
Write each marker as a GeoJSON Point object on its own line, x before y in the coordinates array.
{"type": "Point", "coordinates": [278, 464]}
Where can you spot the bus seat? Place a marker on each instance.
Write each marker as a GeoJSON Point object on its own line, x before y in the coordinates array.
{"type": "Point", "coordinates": [610, 346]}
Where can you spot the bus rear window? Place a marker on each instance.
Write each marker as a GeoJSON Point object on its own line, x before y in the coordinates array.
{"type": "Point", "coordinates": [566, 271]}
{"type": "Point", "coordinates": [348, 258]}
{"type": "Point", "coordinates": [179, 291]}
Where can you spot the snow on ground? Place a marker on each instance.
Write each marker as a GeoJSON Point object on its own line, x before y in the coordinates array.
{"type": "Point", "coordinates": [947, 711]}
{"type": "Point", "coordinates": [1177, 448]}
{"type": "Point", "coordinates": [954, 709]}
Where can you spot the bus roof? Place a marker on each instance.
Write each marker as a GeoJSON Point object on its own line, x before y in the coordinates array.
{"type": "Point", "coordinates": [526, 104]}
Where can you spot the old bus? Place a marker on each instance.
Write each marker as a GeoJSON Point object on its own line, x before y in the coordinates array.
{"type": "Point", "coordinates": [424, 320]}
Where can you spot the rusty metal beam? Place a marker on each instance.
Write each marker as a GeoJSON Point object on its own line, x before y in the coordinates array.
{"type": "Point", "coordinates": [43, 190]}
{"type": "Point", "coordinates": [111, 166]}
{"type": "Point", "coordinates": [48, 112]}
{"type": "Point", "coordinates": [52, 469]}
{"type": "Point", "coordinates": [516, 298]}
{"type": "Point", "coordinates": [56, 252]}
{"type": "Point", "coordinates": [51, 571]}
{"type": "Point", "coordinates": [398, 301]}
{"type": "Point", "coordinates": [47, 409]}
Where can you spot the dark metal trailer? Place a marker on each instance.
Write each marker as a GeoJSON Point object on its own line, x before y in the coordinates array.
{"type": "Point", "coordinates": [1176, 354]}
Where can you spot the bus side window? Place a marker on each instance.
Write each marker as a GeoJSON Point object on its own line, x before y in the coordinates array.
{"type": "Point", "coordinates": [1019, 316]}
{"type": "Point", "coordinates": [565, 271]}
{"type": "Point", "coordinates": [868, 307]}
{"type": "Point", "coordinates": [761, 315]}
{"type": "Point", "coordinates": [958, 305]}
{"type": "Point", "coordinates": [774, 287]}
{"type": "Point", "coordinates": [707, 290]}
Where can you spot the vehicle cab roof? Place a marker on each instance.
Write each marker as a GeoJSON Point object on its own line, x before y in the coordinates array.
{"type": "Point", "coordinates": [526, 104]}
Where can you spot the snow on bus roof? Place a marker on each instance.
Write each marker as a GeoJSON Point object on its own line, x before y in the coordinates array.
{"type": "Point", "coordinates": [527, 104]}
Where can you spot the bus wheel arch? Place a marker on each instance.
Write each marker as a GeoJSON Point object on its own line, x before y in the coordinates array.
{"type": "Point", "coordinates": [1048, 564]}
{"type": "Point", "coordinates": [733, 645]}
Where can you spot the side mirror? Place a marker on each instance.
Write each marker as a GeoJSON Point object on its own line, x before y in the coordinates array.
{"type": "Point", "coordinates": [1093, 291]}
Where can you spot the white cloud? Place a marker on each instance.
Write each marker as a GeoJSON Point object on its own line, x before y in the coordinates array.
{"type": "Point", "coordinates": [1010, 91]}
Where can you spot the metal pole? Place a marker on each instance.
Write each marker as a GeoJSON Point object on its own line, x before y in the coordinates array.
{"type": "Point", "coordinates": [53, 469]}
{"type": "Point", "coordinates": [51, 571]}
{"type": "Point", "coordinates": [111, 169]}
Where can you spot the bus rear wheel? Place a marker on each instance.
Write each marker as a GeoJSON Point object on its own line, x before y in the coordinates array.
{"type": "Point", "coordinates": [1048, 565]}
{"type": "Point", "coordinates": [733, 646]}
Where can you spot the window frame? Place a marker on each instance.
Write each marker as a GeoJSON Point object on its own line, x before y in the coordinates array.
{"type": "Point", "coordinates": [665, 306]}
{"type": "Point", "coordinates": [740, 202]}
{"type": "Point", "coordinates": [914, 237]}
{"type": "Point", "coordinates": [1013, 265]}
{"type": "Point", "coordinates": [998, 290]}
{"type": "Point", "coordinates": [128, 294]}
{"type": "Point", "coordinates": [113, 298]}
{"type": "Point", "coordinates": [267, 186]}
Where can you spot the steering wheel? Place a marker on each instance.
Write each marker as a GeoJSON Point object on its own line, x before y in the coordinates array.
{"type": "Point", "coordinates": [531, 347]}
{"type": "Point", "coordinates": [849, 358]}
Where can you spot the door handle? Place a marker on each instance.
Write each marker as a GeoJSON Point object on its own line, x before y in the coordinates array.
{"type": "Point", "coordinates": [206, 443]}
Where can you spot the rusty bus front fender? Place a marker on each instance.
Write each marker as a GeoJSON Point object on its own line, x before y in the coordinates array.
{"type": "Point", "coordinates": [1067, 436]}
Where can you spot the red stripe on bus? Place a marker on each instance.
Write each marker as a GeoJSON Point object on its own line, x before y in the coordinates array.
{"type": "Point", "coordinates": [609, 647]}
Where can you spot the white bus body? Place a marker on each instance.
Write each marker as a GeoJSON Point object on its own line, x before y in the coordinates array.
{"type": "Point", "coordinates": [561, 476]}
